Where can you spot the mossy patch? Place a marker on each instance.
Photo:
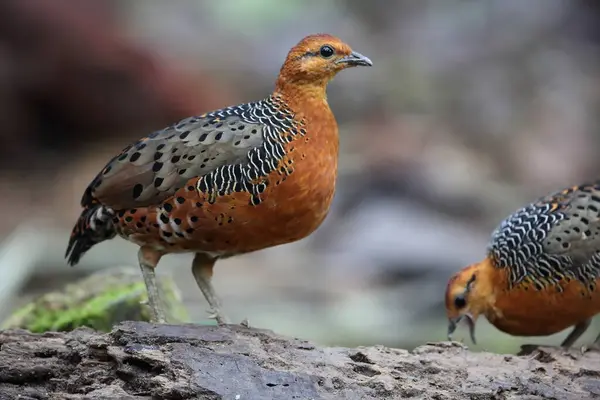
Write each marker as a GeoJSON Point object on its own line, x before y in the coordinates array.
{"type": "Point", "coordinates": [98, 301]}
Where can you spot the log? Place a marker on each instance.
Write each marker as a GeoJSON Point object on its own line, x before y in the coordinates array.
{"type": "Point", "coordinates": [139, 360]}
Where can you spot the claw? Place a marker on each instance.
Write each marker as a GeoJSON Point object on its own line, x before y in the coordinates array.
{"type": "Point", "coordinates": [594, 347]}
{"type": "Point", "coordinates": [549, 353]}
{"type": "Point", "coordinates": [216, 315]}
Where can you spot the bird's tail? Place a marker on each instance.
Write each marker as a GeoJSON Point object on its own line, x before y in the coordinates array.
{"type": "Point", "coordinates": [94, 225]}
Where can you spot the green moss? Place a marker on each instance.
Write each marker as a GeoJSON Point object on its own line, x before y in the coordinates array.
{"type": "Point", "coordinates": [98, 301]}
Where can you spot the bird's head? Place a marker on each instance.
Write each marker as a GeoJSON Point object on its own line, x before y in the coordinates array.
{"type": "Point", "coordinates": [468, 295]}
{"type": "Point", "coordinates": [316, 59]}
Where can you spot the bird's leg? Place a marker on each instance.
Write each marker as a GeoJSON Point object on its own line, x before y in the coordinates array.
{"type": "Point", "coordinates": [594, 346]}
{"type": "Point", "coordinates": [202, 268]}
{"type": "Point", "coordinates": [148, 259]}
{"type": "Point", "coordinates": [575, 334]}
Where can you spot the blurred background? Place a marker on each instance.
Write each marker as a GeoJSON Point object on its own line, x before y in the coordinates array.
{"type": "Point", "coordinates": [473, 109]}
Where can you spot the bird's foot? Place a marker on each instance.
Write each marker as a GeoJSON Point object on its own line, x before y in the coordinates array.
{"type": "Point", "coordinates": [528, 350]}
{"type": "Point", "coordinates": [218, 316]}
{"type": "Point", "coordinates": [593, 347]}
{"type": "Point", "coordinates": [156, 316]}
{"type": "Point", "coordinates": [545, 353]}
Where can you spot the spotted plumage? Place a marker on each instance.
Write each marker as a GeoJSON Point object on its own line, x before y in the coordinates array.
{"type": "Point", "coordinates": [239, 149]}
{"type": "Point", "coordinates": [542, 270]}
{"type": "Point", "coordinates": [233, 150]}
{"type": "Point", "coordinates": [552, 241]}
{"type": "Point", "coordinates": [235, 180]}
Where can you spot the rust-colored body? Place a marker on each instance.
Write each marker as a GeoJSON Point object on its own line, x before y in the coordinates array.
{"type": "Point", "coordinates": [228, 182]}
{"type": "Point", "coordinates": [292, 206]}
{"type": "Point", "coordinates": [542, 270]}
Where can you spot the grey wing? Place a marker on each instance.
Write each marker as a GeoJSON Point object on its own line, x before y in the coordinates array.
{"type": "Point", "coordinates": [577, 235]}
{"type": "Point", "coordinates": [156, 166]}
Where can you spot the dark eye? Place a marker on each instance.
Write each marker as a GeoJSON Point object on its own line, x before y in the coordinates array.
{"type": "Point", "coordinates": [326, 51]}
{"type": "Point", "coordinates": [459, 301]}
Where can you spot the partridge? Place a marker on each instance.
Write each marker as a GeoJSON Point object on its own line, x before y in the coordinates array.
{"type": "Point", "coordinates": [229, 182]}
{"type": "Point", "coordinates": [541, 272]}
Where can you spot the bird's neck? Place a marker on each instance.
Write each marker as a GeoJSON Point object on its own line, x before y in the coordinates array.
{"type": "Point", "coordinates": [487, 274]}
{"type": "Point", "coordinates": [301, 94]}
{"type": "Point", "coordinates": [483, 295]}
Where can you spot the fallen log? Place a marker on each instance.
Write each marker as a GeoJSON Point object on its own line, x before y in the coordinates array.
{"type": "Point", "coordinates": [138, 360]}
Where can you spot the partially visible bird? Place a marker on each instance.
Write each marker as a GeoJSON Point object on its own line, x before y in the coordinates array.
{"type": "Point", "coordinates": [232, 181]}
{"type": "Point", "coordinates": [541, 274]}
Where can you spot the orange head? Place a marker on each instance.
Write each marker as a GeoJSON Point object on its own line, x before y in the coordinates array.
{"type": "Point", "coordinates": [315, 60]}
{"type": "Point", "coordinates": [469, 294]}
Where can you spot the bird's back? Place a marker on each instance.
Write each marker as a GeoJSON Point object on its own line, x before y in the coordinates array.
{"type": "Point", "coordinates": [553, 238]}
{"type": "Point", "coordinates": [230, 149]}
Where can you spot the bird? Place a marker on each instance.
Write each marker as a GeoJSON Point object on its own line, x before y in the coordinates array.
{"type": "Point", "coordinates": [228, 182]}
{"type": "Point", "coordinates": [541, 272]}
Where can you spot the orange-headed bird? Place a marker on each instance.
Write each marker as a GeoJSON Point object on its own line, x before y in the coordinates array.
{"type": "Point", "coordinates": [541, 272]}
{"type": "Point", "coordinates": [232, 181]}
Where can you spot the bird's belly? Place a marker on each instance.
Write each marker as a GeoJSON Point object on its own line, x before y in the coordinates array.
{"type": "Point", "coordinates": [283, 216]}
{"type": "Point", "coordinates": [545, 312]}
{"type": "Point", "coordinates": [292, 206]}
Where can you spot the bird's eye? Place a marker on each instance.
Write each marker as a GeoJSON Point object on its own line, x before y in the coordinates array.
{"type": "Point", "coordinates": [326, 51]}
{"type": "Point", "coordinates": [459, 301]}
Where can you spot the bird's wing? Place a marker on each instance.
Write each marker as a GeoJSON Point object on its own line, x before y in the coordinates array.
{"type": "Point", "coordinates": [156, 166]}
{"type": "Point", "coordinates": [576, 235]}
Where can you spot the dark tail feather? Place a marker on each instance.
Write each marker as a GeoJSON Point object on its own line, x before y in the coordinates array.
{"type": "Point", "coordinates": [93, 226]}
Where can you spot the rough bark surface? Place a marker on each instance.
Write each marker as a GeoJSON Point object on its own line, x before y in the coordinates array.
{"type": "Point", "coordinates": [138, 360]}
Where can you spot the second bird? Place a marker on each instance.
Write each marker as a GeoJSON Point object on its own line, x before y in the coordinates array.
{"type": "Point", "coordinates": [542, 270]}
{"type": "Point", "coordinates": [232, 181]}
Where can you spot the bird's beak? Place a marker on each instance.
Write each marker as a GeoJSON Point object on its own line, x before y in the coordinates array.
{"type": "Point", "coordinates": [355, 59]}
{"type": "Point", "coordinates": [453, 323]}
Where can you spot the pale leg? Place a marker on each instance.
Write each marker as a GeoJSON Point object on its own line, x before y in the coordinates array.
{"type": "Point", "coordinates": [148, 260]}
{"type": "Point", "coordinates": [202, 268]}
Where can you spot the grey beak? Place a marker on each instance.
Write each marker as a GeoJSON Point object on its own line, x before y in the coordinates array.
{"type": "Point", "coordinates": [453, 323]}
{"type": "Point", "coordinates": [355, 59]}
